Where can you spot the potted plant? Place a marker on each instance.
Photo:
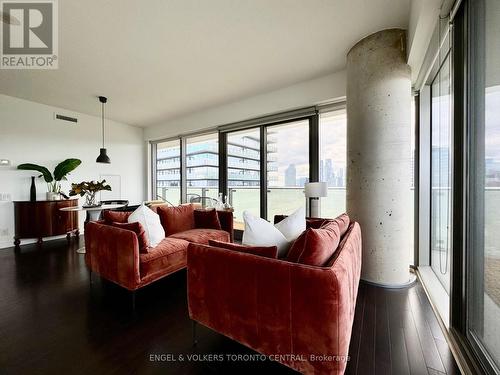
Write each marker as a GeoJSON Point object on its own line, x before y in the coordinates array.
{"type": "Point", "coordinates": [54, 179]}
{"type": "Point", "coordinates": [89, 190]}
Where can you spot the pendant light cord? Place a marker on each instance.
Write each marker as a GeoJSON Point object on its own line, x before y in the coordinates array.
{"type": "Point", "coordinates": [102, 118]}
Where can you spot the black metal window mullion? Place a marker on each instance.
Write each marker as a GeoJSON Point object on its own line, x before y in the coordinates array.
{"type": "Point", "coordinates": [457, 284]}
{"type": "Point", "coordinates": [183, 170]}
{"type": "Point", "coordinates": [314, 148]}
{"type": "Point", "coordinates": [154, 189]}
{"type": "Point", "coordinates": [416, 184]}
{"type": "Point", "coordinates": [223, 162]}
{"type": "Point", "coordinates": [263, 172]}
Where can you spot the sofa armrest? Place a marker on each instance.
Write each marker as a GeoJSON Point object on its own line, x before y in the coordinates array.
{"type": "Point", "coordinates": [226, 222]}
{"type": "Point", "coordinates": [113, 253]}
{"type": "Point", "coordinates": [275, 307]}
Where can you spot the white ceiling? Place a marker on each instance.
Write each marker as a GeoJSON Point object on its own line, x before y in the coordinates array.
{"type": "Point", "coordinates": [159, 59]}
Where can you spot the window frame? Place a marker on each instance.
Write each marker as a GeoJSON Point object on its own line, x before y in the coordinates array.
{"type": "Point", "coordinates": [306, 113]}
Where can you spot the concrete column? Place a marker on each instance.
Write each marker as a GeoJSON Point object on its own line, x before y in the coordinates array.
{"type": "Point", "coordinates": [378, 154]}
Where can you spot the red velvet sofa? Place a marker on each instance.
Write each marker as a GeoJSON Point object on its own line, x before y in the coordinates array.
{"type": "Point", "coordinates": [298, 315]}
{"type": "Point", "coordinates": [113, 253]}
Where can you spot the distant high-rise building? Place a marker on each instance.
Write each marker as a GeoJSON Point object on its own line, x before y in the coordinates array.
{"type": "Point", "coordinates": [341, 178]}
{"type": "Point", "coordinates": [302, 181]}
{"type": "Point", "coordinates": [291, 175]}
{"type": "Point", "coordinates": [202, 163]}
{"type": "Point", "coordinates": [329, 174]}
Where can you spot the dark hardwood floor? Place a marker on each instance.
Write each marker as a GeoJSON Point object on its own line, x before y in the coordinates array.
{"type": "Point", "coordinates": [51, 322]}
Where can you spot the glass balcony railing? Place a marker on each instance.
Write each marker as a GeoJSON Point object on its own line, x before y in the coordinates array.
{"type": "Point", "coordinates": [244, 153]}
{"type": "Point", "coordinates": [247, 164]}
{"type": "Point", "coordinates": [202, 192]}
{"type": "Point", "coordinates": [171, 194]}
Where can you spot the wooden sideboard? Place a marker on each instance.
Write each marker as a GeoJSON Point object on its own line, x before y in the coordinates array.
{"type": "Point", "coordinates": [41, 219]}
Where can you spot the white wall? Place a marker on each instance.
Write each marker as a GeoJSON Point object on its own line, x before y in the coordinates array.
{"type": "Point", "coordinates": [315, 91]}
{"type": "Point", "coordinates": [424, 15]}
{"type": "Point", "coordinates": [29, 133]}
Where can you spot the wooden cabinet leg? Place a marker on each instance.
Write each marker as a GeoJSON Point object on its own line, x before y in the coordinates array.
{"type": "Point", "coordinates": [77, 233]}
{"type": "Point", "coordinates": [39, 242]}
{"type": "Point", "coordinates": [17, 242]}
{"type": "Point", "coordinates": [68, 236]}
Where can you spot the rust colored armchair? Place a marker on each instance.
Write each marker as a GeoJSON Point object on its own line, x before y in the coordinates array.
{"type": "Point", "coordinates": [298, 315]}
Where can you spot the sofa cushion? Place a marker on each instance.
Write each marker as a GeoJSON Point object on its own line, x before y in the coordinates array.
{"type": "Point", "coordinates": [312, 223]}
{"type": "Point", "coordinates": [297, 248]}
{"type": "Point", "coordinates": [345, 241]}
{"type": "Point", "coordinates": [260, 232]}
{"type": "Point", "coordinates": [293, 225]}
{"type": "Point", "coordinates": [177, 218]}
{"type": "Point", "coordinates": [151, 223]}
{"type": "Point", "coordinates": [316, 223]}
{"type": "Point", "coordinates": [115, 216]}
{"type": "Point", "coordinates": [202, 236]}
{"type": "Point", "coordinates": [320, 244]}
{"type": "Point", "coordinates": [168, 255]}
{"type": "Point", "coordinates": [343, 221]}
{"type": "Point", "coordinates": [264, 251]}
{"type": "Point", "coordinates": [138, 229]}
{"type": "Point", "coordinates": [154, 206]}
{"type": "Point", "coordinates": [206, 219]}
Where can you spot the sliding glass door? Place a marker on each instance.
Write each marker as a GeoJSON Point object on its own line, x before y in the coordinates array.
{"type": "Point", "coordinates": [267, 167]}
{"type": "Point", "coordinates": [333, 160]}
{"type": "Point", "coordinates": [168, 171]}
{"type": "Point", "coordinates": [202, 168]}
{"type": "Point", "coordinates": [441, 174]}
{"type": "Point", "coordinates": [243, 173]}
{"type": "Point", "coordinates": [483, 311]}
{"type": "Point", "coordinates": [287, 167]}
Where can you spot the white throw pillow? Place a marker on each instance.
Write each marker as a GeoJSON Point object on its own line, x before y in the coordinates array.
{"type": "Point", "coordinates": [292, 226]}
{"type": "Point", "coordinates": [259, 232]}
{"type": "Point", "coordinates": [151, 223]}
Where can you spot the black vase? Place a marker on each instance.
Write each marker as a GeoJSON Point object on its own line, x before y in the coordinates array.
{"type": "Point", "coordinates": [33, 190]}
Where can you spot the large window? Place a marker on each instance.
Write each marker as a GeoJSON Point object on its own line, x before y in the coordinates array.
{"type": "Point", "coordinates": [243, 173]}
{"type": "Point", "coordinates": [168, 171]}
{"type": "Point", "coordinates": [332, 163]}
{"type": "Point", "coordinates": [287, 167]}
{"type": "Point", "coordinates": [484, 203]}
{"type": "Point", "coordinates": [202, 168]}
{"type": "Point", "coordinates": [441, 174]}
{"type": "Point", "coordinates": [264, 167]}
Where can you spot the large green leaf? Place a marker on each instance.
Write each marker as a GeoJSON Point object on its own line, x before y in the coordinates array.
{"type": "Point", "coordinates": [34, 167]}
{"type": "Point", "coordinates": [65, 167]}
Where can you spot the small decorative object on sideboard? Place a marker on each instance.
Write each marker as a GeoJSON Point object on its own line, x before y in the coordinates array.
{"type": "Point", "coordinates": [222, 204]}
{"type": "Point", "coordinates": [89, 190]}
{"type": "Point", "coordinates": [33, 190]}
{"type": "Point", "coordinates": [54, 179]}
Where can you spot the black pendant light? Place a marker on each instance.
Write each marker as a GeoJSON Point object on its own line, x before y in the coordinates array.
{"type": "Point", "coordinates": [103, 155]}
